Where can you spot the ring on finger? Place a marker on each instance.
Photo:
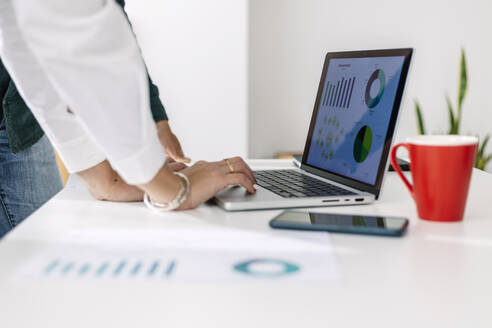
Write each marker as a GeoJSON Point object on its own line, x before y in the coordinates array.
{"type": "Point", "coordinates": [231, 168]}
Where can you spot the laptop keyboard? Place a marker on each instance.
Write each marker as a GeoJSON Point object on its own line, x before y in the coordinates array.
{"type": "Point", "coordinates": [291, 183]}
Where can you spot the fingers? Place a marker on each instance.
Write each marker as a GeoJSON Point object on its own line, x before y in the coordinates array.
{"type": "Point", "coordinates": [170, 143]}
{"type": "Point", "coordinates": [183, 159]}
{"type": "Point", "coordinates": [241, 179]}
{"type": "Point", "coordinates": [176, 154]}
{"type": "Point", "coordinates": [240, 165]}
{"type": "Point", "coordinates": [179, 155]}
{"type": "Point", "coordinates": [177, 166]}
{"type": "Point", "coordinates": [247, 169]}
{"type": "Point", "coordinates": [174, 158]}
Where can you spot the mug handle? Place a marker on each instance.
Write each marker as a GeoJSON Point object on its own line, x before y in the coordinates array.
{"type": "Point", "coordinates": [397, 167]}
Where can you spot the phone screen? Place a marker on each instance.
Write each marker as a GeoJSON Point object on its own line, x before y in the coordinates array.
{"type": "Point", "coordinates": [340, 222]}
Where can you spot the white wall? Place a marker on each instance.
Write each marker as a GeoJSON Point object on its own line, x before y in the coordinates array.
{"type": "Point", "coordinates": [196, 52]}
{"type": "Point", "coordinates": [289, 38]}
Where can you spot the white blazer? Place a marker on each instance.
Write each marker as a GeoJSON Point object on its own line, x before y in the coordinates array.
{"type": "Point", "coordinates": [82, 55]}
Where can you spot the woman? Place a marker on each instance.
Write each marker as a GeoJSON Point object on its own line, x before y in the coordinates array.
{"type": "Point", "coordinates": [29, 174]}
{"type": "Point", "coordinates": [82, 55]}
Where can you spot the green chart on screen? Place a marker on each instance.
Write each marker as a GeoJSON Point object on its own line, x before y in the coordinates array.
{"type": "Point", "coordinates": [362, 144]}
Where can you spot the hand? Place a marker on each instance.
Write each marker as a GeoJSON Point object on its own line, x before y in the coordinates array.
{"type": "Point", "coordinates": [176, 166]}
{"type": "Point", "coordinates": [103, 183]}
{"type": "Point", "coordinates": [170, 143]}
{"type": "Point", "coordinates": [206, 179]}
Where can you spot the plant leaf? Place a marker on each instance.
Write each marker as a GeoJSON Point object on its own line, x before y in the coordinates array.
{"type": "Point", "coordinates": [463, 81]}
{"type": "Point", "coordinates": [479, 149]}
{"type": "Point", "coordinates": [486, 160]}
{"type": "Point", "coordinates": [452, 119]}
{"type": "Point", "coordinates": [420, 118]}
{"type": "Point", "coordinates": [481, 160]}
{"type": "Point", "coordinates": [478, 161]}
{"type": "Point", "coordinates": [481, 163]}
{"type": "Point", "coordinates": [484, 144]}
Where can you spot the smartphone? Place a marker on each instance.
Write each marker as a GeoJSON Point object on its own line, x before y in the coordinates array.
{"type": "Point", "coordinates": [359, 224]}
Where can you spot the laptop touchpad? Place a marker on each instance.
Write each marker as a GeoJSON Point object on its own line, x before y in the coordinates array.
{"type": "Point", "coordinates": [240, 194]}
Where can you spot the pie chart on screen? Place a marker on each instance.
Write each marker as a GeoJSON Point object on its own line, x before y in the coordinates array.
{"type": "Point", "coordinates": [362, 144]}
{"type": "Point", "coordinates": [375, 88]}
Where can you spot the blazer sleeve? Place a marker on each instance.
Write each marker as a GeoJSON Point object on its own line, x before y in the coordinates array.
{"type": "Point", "coordinates": [88, 52]}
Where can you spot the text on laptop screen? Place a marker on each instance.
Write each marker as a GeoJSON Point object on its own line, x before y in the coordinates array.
{"type": "Point", "coordinates": [353, 116]}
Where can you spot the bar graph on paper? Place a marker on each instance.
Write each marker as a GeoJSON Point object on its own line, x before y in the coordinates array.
{"type": "Point", "coordinates": [338, 94]}
{"type": "Point", "coordinates": [113, 269]}
{"type": "Point", "coordinates": [176, 256]}
{"type": "Point", "coordinates": [87, 263]}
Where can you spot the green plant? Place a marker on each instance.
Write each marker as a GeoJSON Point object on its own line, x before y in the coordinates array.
{"type": "Point", "coordinates": [420, 118]}
{"type": "Point", "coordinates": [482, 159]}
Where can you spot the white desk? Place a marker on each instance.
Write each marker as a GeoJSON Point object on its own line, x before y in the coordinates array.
{"type": "Point", "coordinates": [438, 275]}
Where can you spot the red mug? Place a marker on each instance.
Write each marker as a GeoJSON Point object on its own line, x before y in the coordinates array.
{"type": "Point", "coordinates": [441, 168]}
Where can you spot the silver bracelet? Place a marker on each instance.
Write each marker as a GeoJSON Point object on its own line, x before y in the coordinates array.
{"type": "Point", "coordinates": [181, 197]}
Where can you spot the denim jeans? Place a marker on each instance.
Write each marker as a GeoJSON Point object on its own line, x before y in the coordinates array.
{"type": "Point", "coordinates": [27, 180]}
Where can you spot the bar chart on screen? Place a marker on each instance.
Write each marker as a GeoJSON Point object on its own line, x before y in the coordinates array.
{"type": "Point", "coordinates": [339, 93]}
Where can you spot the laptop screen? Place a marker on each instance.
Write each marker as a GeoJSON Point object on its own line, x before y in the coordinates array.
{"type": "Point", "coordinates": [353, 116]}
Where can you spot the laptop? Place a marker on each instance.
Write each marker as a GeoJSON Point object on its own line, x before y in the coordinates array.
{"type": "Point", "coordinates": [346, 152]}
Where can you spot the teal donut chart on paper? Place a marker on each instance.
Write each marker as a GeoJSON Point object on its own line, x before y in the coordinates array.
{"type": "Point", "coordinates": [282, 268]}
